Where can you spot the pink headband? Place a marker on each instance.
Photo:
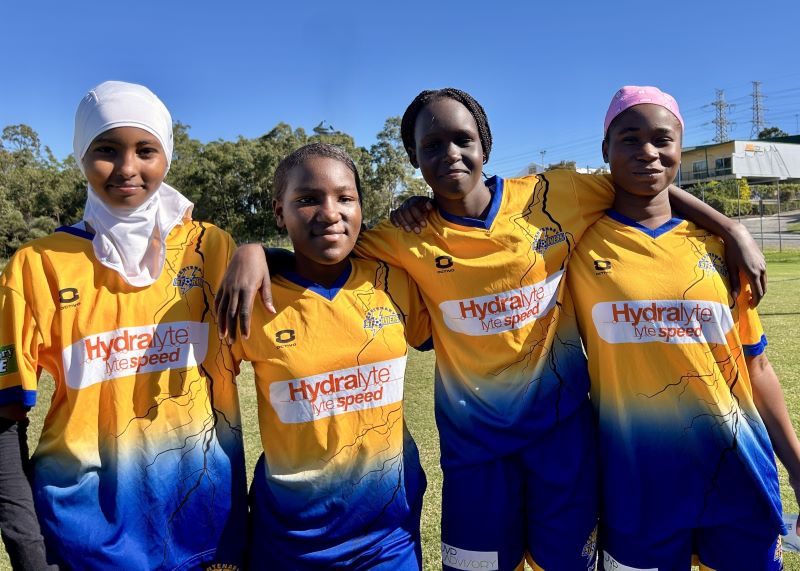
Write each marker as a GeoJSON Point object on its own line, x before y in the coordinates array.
{"type": "Point", "coordinates": [631, 95]}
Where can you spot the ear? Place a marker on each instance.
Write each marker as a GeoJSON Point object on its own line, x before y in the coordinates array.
{"type": "Point", "coordinates": [277, 208]}
{"type": "Point", "coordinates": [605, 150]}
{"type": "Point", "coordinates": [412, 156]}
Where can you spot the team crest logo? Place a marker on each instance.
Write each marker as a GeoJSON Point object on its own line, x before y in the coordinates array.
{"type": "Point", "coordinates": [379, 317]}
{"type": "Point", "coordinates": [546, 238]}
{"type": "Point", "coordinates": [8, 360]}
{"type": "Point", "coordinates": [187, 278]}
{"type": "Point", "coordinates": [590, 548]}
{"type": "Point", "coordinates": [711, 263]}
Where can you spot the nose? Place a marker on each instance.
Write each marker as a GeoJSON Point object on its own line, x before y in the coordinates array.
{"type": "Point", "coordinates": [453, 153]}
{"type": "Point", "coordinates": [329, 211]}
{"type": "Point", "coordinates": [647, 152]}
{"type": "Point", "coordinates": [126, 164]}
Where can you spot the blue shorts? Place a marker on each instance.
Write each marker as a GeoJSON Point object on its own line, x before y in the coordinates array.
{"type": "Point", "coordinates": [750, 545]}
{"type": "Point", "coordinates": [399, 551]}
{"type": "Point", "coordinates": [540, 502]}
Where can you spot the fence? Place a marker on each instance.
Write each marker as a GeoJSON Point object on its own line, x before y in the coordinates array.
{"type": "Point", "coordinates": [771, 212]}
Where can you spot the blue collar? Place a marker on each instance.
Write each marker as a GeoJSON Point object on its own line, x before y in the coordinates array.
{"type": "Point", "coordinates": [327, 293]}
{"type": "Point", "coordinates": [652, 232]}
{"type": "Point", "coordinates": [494, 206]}
{"type": "Point", "coordinates": [75, 231]}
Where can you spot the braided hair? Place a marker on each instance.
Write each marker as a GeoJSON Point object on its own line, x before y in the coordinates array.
{"type": "Point", "coordinates": [427, 96]}
{"type": "Point", "coordinates": [301, 155]}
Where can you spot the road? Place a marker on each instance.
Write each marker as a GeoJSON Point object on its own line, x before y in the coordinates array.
{"type": "Point", "coordinates": [766, 230]}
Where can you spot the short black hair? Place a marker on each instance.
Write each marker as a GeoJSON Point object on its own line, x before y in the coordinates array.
{"type": "Point", "coordinates": [301, 155]}
{"type": "Point", "coordinates": [429, 95]}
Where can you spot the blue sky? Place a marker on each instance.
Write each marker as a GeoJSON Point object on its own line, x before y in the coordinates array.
{"type": "Point", "coordinates": [544, 71]}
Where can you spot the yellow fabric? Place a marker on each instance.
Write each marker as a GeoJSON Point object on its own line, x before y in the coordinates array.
{"type": "Point", "coordinates": [508, 359]}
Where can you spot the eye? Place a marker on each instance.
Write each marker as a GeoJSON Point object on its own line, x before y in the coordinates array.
{"type": "Point", "coordinates": [147, 152]}
{"type": "Point", "coordinates": [104, 150]}
{"type": "Point", "coordinates": [348, 198]}
{"type": "Point", "coordinates": [305, 200]}
{"type": "Point", "coordinates": [663, 141]}
{"type": "Point", "coordinates": [630, 140]}
{"type": "Point", "coordinates": [464, 141]}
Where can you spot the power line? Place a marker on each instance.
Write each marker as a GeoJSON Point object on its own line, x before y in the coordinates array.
{"type": "Point", "coordinates": [758, 111]}
{"type": "Point", "coordinates": [721, 120]}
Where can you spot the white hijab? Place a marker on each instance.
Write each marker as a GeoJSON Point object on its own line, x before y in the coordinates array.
{"type": "Point", "coordinates": [130, 241]}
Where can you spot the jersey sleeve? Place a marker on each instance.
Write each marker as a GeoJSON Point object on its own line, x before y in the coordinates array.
{"type": "Point", "coordinates": [20, 340]}
{"type": "Point", "coordinates": [594, 195]}
{"type": "Point", "coordinates": [751, 332]}
{"type": "Point", "coordinates": [381, 243]}
{"type": "Point", "coordinates": [418, 322]}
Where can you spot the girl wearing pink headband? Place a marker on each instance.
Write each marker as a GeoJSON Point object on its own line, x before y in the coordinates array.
{"type": "Point", "coordinates": [631, 95]}
{"type": "Point", "coordinates": [680, 380]}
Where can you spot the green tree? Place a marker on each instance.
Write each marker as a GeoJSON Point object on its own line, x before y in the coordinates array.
{"type": "Point", "coordinates": [37, 192]}
{"type": "Point", "coordinates": [772, 133]}
{"type": "Point", "coordinates": [744, 190]}
{"type": "Point", "coordinates": [230, 182]}
{"type": "Point", "coordinates": [393, 176]}
{"type": "Point", "coordinates": [564, 165]}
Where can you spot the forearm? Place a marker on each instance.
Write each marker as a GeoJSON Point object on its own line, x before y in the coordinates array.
{"type": "Point", "coordinates": [742, 254]}
{"type": "Point", "coordinates": [695, 210]}
{"type": "Point", "coordinates": [247, 274]}
{"type": "Point", "coordinates": [771, 405]}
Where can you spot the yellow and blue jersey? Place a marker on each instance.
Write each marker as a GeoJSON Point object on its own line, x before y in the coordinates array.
{"type": "Point", "coordinates": [140, 463]}
{"type": "Point", "coordinates": [680, 437]}
{"type": "Point", "coordinates": [509, 362]}
{"type": "Point", "coordinates": [339, 471]}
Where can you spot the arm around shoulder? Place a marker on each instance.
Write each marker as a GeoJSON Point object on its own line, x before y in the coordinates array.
{"type": "Point", "coordinates": [742, 254]}
{"type": "Point", "coordinates": [247, 274]}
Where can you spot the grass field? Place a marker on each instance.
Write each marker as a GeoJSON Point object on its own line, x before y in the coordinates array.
{"type": "Point", "coordinates": [780, 313]}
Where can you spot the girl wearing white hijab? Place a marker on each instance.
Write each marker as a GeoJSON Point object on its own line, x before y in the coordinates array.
{"type": "Point", "coordinates": [140, 463]}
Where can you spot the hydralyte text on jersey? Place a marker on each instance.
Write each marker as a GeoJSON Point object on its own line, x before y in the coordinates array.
{"type": "Point", "coordinates": [133, 350]}
{"type": "Point", "coordinates": [495, 313]}
{"type": "Point", "coordinates": [662, 321]}
{"type": "Point", "coordinates": [337, 392]}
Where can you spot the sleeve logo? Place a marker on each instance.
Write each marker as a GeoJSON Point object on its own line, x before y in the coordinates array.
{"type": "Point", "coordinates": [8, 360]}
